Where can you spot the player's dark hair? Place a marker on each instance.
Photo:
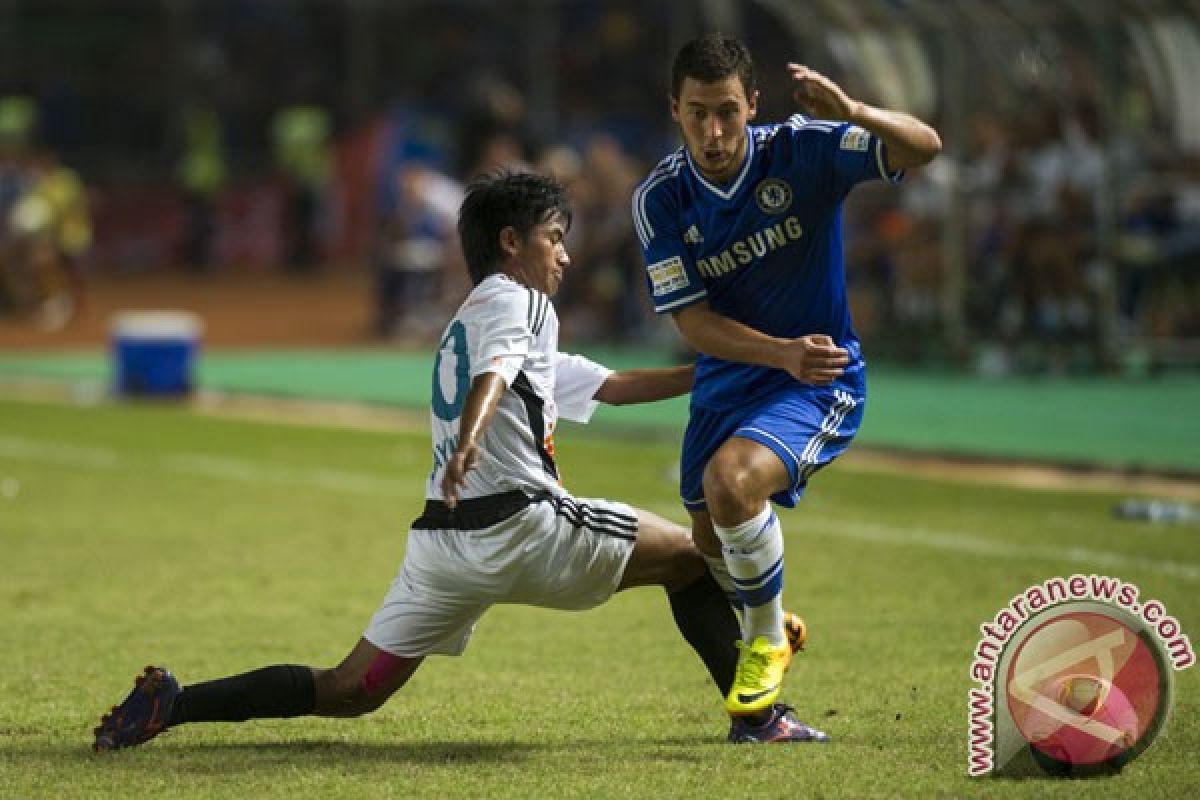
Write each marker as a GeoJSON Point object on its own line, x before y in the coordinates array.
{"type": "Point", "coordinates": [504, 199]}
{"type": "Point", "coordinates": [711, 58]}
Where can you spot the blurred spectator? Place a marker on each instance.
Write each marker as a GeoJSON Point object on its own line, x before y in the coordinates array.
{"type": "Point", "coordinates": [491, 128]}
{"type": "Point", "coordinates": [1054, 247]}
{"type": "Point", "coordinates": [17, 121]}
{"type": "Point", "coordinates": [912, 258]}
{"type": "Point", "coordinates": [1159, 250]}
{"type": "Point", "coordinates": [604, 286]}
{"type": "Point", "coordinates": [991, 180]}
{"type": "Point", "coordinates": [201, 172]}
{"type": "Point", "coordinates": [501, 149]}
{"type": "Point", "coordinates": [1030, 179]}
{"type": "Point", "coordinates": [18, 118]}
{"type": "Point", "coordinates": [301, 136]}
{"type": "Point", "coordinates": [50, 232]}
{"type": "Point", "coordinates": [416, 246]}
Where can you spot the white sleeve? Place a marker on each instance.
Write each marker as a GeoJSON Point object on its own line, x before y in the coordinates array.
{"type": "Point", "coordinates": [576, 381]}
{"type": "Point", "coordinates": [501, 339]}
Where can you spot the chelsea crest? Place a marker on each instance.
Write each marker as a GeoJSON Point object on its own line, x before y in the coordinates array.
{"type": "Point", "coordinates": [773, 196]}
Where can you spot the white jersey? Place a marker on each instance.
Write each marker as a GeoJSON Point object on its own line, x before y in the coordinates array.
{"type": "Point", "coordinates": [512, 330]}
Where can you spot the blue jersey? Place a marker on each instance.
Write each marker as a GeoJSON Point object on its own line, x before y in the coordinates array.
{"type": "Point", "coordinates": [765, 250]}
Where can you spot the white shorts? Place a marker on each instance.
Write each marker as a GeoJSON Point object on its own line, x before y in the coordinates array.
{"type": "Point", "coordinates": [559, 552]}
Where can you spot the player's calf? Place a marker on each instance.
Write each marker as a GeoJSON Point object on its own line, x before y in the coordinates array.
{"type": "Point", "coordinates": [362, 683]}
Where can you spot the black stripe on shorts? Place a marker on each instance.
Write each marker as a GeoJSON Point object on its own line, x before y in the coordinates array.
{"type": "Point", "coordinates": [582, 515]}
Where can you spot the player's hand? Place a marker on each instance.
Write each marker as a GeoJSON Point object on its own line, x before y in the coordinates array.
{"type": "Point", "coordinates": [819, 96]}
{"type": "Point", "coordinates": [461, 462]}
{"type": "Point", "coordinates": [815, 359]}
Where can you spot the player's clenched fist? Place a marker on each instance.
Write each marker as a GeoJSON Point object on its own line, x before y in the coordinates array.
{"type": "Point", "coordinates": [459, 464]}
{"type": "Point", "coordinates": [820, 96]}
{"type": "Point", "coordinates": [815, 359]}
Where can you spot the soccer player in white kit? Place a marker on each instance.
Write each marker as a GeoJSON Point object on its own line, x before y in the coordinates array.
{"type": "Point", "coordinates": [497, 527]}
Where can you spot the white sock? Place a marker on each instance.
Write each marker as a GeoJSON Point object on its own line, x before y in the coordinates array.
{"type": "Point", "coordinates": [753, 554]}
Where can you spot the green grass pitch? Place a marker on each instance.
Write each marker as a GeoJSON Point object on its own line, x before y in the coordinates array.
{"type": "Point", "coordinates": [135, 535]}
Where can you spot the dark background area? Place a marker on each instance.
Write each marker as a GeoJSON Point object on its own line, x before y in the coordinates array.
{"type": "Point", "coordinates": [1059, 232]}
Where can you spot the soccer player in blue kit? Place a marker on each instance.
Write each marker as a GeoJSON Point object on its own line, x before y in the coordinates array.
{"type": "Point", "coordinates": [741, 233]}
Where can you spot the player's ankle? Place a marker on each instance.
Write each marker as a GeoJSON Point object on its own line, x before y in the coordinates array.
{"type": "Point", "coordinates": [765, 621]}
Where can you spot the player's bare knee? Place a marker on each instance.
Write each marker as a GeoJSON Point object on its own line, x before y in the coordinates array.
{"type": "Point", "coordinates": [360, 700]}
{"type": "Point", "coordinates": [679, 561]}
{"type": "Point", "coordinates": [731, 489]}
{"type": "Point", "coordinates": [365, 702]}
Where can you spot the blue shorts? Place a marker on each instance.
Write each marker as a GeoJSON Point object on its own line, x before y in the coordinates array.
{"type": "Point", "coordinates": [805, 426]}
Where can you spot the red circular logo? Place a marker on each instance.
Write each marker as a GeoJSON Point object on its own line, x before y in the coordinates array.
{"type": "Point", "coordinates": [1083, 689]}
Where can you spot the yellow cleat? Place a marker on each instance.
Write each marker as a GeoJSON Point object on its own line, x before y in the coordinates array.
{"type": "Point", "coordinates": [759, 676]}
{"type": "Point", "coordinates": [795, 630]}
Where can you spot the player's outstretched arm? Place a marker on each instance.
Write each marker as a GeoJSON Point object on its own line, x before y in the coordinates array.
{"type": "Point", "coordinates": [645, 385]}
{"type": "Point", "coordinates": [814, 358]}
{"type": "Point", "coordinates": [910, 142]}
{"type": "Point", "coordinates": [478, 410]}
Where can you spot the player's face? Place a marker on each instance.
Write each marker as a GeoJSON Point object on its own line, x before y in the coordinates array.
{"type": "Point", "coordinates": [540, 259]}
{"type": "Point", "coordinates": [713, 118]}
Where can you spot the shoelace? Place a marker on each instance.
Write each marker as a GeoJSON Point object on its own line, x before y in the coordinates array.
{"type": "Point", "coordinates": [751, 668]}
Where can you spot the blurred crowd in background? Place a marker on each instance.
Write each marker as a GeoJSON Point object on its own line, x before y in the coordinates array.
{"type": "Point", "coordinates": [1059, 232]}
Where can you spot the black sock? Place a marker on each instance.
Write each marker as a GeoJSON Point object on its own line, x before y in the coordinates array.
{"type": "Point", "coordinates": [286, 690]}
{"type": "Point", "coordinates": [705, 618]}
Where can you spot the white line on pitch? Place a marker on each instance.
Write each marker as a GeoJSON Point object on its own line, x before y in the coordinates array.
{"type": "Point", "coordinates": [961, 543]}
{"type": "Point", "coordinates": [224, 468]}
{"type": "Point", "coordinates": [41, 451]}
{"type": "Point", "coordinates": [977, 546]}
{"type": "Point", "coordinates": [234, 469]}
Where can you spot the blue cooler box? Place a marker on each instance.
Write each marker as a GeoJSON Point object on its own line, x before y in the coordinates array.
{"type": "Point", "coordinates": [155, 352]}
